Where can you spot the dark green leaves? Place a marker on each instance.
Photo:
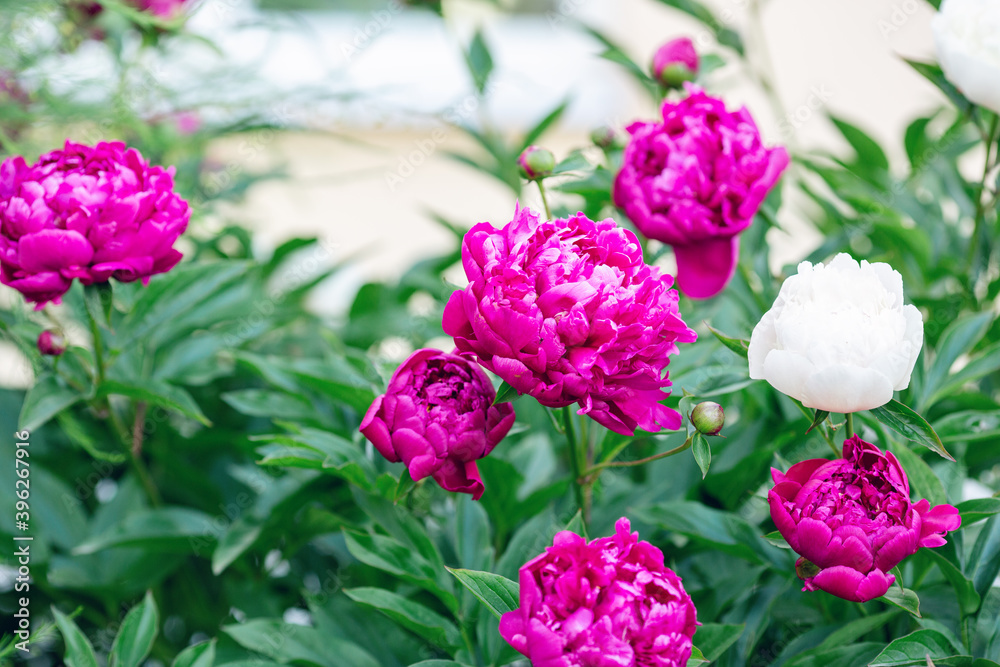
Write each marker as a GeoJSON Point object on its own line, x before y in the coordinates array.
{"type": "Point", "coordinates": [914, 649]}
{"type": "Point", "coordinates": [903, 598]}
{"type": "Point", "coordinates": [411, 615]}
{"type": "Point", "coordinates": [79, 652]}
{"type": "Point", "coordinates": [48, 397]}
{"type": "Point", "coordinates": [737, 345]}
{"type": "Point", "coordinates": [911, 426]}
{"type": "Point", "coordinates": [702, 452]}
{"type": "Point", "coordinates": [498, 593]}
{"type": "Point", "coordinates": [505, 394]}
{"type": "Point", "coordinates": [135, 638]}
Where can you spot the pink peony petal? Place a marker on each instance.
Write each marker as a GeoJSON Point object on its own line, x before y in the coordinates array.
{"type": "Point", "coordinates": [705, 267]}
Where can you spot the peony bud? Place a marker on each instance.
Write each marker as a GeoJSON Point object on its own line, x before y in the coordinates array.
{"type": "Point", "coordinates": [675, 62]}
{"type": "Point", "coordinates": [51, 343]}
{"type": "Point", "coordinates": [536, 163]}
{"type": "Point", "coordinates": [708, 418]}
{"type": "Point", "coordinates": [603, 137]}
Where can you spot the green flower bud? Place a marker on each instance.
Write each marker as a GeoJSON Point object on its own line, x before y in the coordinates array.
{"type": "Point", "coordinates": [708, 418]}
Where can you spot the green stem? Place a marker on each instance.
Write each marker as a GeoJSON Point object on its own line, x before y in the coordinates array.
{"type": "Point", "coordinates": [545, 201]}
{"type": "Point", "coordinates": [981, 208]}
{"type": "Point", "coordinates": [639, 462]}
{"type": "Point", "coordinates": [95, 332]}
{"type": "Point", "coordinates": [850, 424]}
{"type": "Point", "coordinates": [574, 458]}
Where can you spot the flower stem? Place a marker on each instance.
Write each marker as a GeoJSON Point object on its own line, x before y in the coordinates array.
{"type": "Point", "coordinates": [95, 332]}
{"type": "Point", "coordinates": [850, 424]}
{"type": "Point", "coordinates": [990, 138]}
{"type": "Point", "coordinates": [629, 464]}
{"type": "Point", "coordinates": [574, 461]}
{"type": "Point", "coordinates": [545, 201]}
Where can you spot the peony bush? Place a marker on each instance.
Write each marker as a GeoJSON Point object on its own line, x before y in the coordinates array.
{"type": "Point", "coordinates": [211, 474]}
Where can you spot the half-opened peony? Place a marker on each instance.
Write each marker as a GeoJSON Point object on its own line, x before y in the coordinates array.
{"type": "Point", "coordinates": [437, 416]}
{"type": "Point", "coordinates": [695, 180]}
{"type": "Point", "coordinates": [967, 37]}
{"type": "Point", "coordinates": [91, 213]}
{"type": "Point", "coordinates": [852, 520]}
{"type": "Point", "coordinates": [567, 311]}
{"type": "Point", "coordinates": [609, 603]}
{"type": "Point", "coordinates": [838, 337]}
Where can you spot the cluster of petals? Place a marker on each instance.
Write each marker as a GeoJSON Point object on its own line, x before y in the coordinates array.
{"type": "Point", "coordinates": [695, 179]}
{"type": "Point", "coordinates": [437, 417]}
{"type": "Point", "coordinates": [607, 603]}
{"type": "Point", "coordinates": [567, 311]}
{"type": "Point", "coordinates": [86, 213]}
{"type": "Point", "coordinates": [852, 521]}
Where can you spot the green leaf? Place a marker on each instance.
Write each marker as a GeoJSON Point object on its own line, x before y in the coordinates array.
{"type": "Point", "coordinates": [714, 638]}
{"type": "Point", "coordinates": [163, 529]}
{"type": "Point", "coordinates": [725, 36]}
{"type": "Point", "coordinates": [543, 125]}
{"type": "Point", "coordinates": [983, 564]}
{"type": "Point", "coordinates": [272, 404]}
{"type": "Point", "coordinates": [172, 296]}
{"type": "Point", "coordinates": [199, 655]}
{"type": "Point", "coordinates": [479, 60]}
{"type": "Point", "coordinates": [870, 154]}
{"type": "Point", "coordinates": [903, 598]}
{"type": "Point", "coordinates": [858, 628]}
{"type": "Point", "coordinates": [915, 648]}
{"type": "Point", "coordinates": [979, 365]}
{"type": "Point", "coordinates": [911, 426]}
{"type": "Point", "coordinates": [574, 162]}
{"type": "Point", "coordinates": [79, 652]}
{"type": "Point", "coordinates": [818, 419]}
{"type": "Point", "coordinates": [411, 615]}
{"type": "Point", "coordinates": [240, 536]}
{"type": "Point", "coordinates": [977, 509]}
{"type": "Point", "coordinates": [697, 658]}
{"type": "Point", "coordinates": [702, 453]}
{"type": "Point", "coordinates": [737, 345]}
{"type": "Point", "coordinates": [576, 525]}
{"type": "Point", "coordinates": [385, 553]}
{"type": "Point", "coordinates": [960, 337]}
{"type": "Point", "coordinates": [47, 398]}
{"type": "Point", "coordinates": [287, 643]}
{"type": "Point", "coordinates": [965, 590]}
{"type": "Point", "coordinates": [155, 392]}
{"type": "Point", "coordinates": [842, 656]}
{"type": "Point", "coordinates": [777, 540]}
{"type": "Point", "coordinates": [933, 73]}
{"type": "Point", "coordinates": [723, 531]}
{"type": "Point", "coordinates": [438, 663]}
{"type": "Point", "coordinates": [136, 635]}
{"type": "Point", "coordinates": [505, 394]}
{"type": "Point", "coordinates": [498, 593]}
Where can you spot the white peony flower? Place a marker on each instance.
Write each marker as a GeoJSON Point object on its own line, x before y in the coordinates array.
{"type": "Point", "coordinates": [838, 337]}
{"type": "Point", "coordinates": [967, 37]}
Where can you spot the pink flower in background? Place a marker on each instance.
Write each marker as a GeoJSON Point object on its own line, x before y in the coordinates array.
{"type": "Point", "coordinates": [852, 521]}
{"type": "Point", "coordinates": [437, 416]}
{"type": "Point", "coordinates": [51, 343]}
{"type": "Point", "coordinates": [566, 311]}
{"type": "Point", "coordinates": [165, 9]}
{"type": "Point", "coordinates": [91, 213]}
{"type": "Point", "coordinates": [675, 62]}
{"type": "Point", "coordinates": [609, 603]}
{"type": "Point", "coordinates": [695, 181]}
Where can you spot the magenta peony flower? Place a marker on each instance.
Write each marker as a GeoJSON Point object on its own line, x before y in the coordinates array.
{"type": "Point", "coordinates": [88, 213]}
{"type": "Point", "coordinates": [567, 312]}
{"type": "Point", "coordinates": [609, 603]}
{"type": "Point", "coordinates": [675, 62]}
{"type": "Point", "coordinates": [695, 181]}
{"type": "Point", "coordinates": [437, 416]}
{"type": "Point", "coordinates": [852, 521]}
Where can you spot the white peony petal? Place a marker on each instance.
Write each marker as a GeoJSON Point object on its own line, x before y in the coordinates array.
{"type": "Point", "coordinates": [915, 337]}
{"type": "Point", "coordinates": [788, 372]}
{"type": "Point", "coordinates": [846, 389]}
{"type": "Point", "coordinates": [762, 341]}
{"type": "Point", "coordinates": [891, 279]}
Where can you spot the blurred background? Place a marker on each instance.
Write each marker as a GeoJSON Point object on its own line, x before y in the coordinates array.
{"type": "Point", "coordinates": [350, 115]}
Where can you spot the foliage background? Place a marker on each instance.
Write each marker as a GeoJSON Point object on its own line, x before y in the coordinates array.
{"type": "Point", "coordinates": [213, 492]}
